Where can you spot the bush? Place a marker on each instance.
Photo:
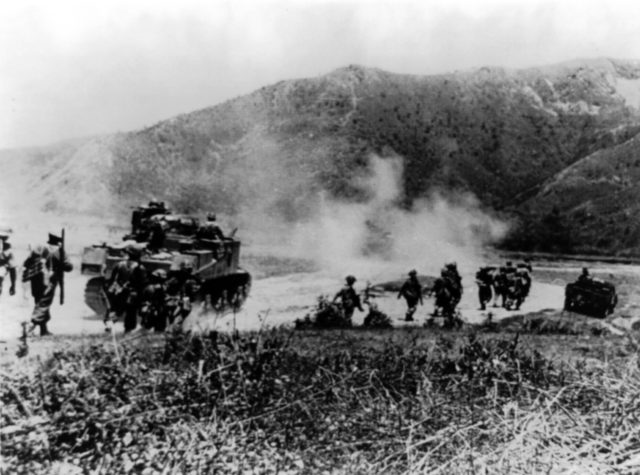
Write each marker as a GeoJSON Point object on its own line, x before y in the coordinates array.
{"type": "Point", "coordinates": [325, 315]}
{"type": "Point", "coordinates": [377, 319]}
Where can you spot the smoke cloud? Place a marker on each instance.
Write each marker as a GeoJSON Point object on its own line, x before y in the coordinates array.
{"type": "Point", "coordinates": [376, 238]}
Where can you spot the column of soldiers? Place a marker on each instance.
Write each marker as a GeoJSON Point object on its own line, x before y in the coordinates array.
{"type": "Point", "coordinates": [447, 290]}
{"type": "Point", "coordinates": [507, 284]}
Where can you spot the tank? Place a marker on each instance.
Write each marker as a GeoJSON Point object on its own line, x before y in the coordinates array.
{"type": "Point", "coordinates": [223, 284]}
{"type": "Point", "coordinates": [592, 297]}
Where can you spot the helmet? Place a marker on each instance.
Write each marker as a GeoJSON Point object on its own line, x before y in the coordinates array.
{"type": "Point", "coordinates": [413, 272]}
{"type": "Point", "coordinates": [350, 279]}
{"type": "Point", "coordinates": [211, 217]}
{"type": "Point", "coordinates": [133, 252]}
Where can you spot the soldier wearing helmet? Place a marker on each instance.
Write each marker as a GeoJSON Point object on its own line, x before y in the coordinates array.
{"type": "Point", "coordinates": [181, 287]}
{"type": "Point", "coordinates": [444, 302]}
{"type": "Point", "coordinates": [152, 301]}
{"type": "Point", "coordinates": [349, 298]}
{"type": "Point", "coordinates": [411, 290]}
{"type": "Point", "coordinates": [136, 280]}
{"type": "Point", "coordinates": [43, 269]}
{"type": "Point", "coordinates": [210, 230]}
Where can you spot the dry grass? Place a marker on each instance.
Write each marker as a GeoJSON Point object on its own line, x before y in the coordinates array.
{"type": "Point", "coordinates": [343, 401]}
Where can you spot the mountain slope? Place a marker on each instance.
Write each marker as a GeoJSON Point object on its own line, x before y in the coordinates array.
{"type": "Point", "coordinates": [593, 205]}
{"type": "Point", "coordinates": [497, 134]}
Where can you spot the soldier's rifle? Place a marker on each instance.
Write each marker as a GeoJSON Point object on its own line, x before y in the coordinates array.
{"type": "Point", "coordinates": [61, 267]}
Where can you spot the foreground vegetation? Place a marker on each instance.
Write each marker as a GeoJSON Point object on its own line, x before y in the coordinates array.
{"type": "Point", "coordinates": [343, 401]}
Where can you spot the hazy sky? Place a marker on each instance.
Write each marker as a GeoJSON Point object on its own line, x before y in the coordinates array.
{"type": "Point", "coordinates": [77, 68]}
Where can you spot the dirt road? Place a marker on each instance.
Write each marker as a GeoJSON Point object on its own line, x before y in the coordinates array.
{"type": "Point", "coordinates": [273, 301]}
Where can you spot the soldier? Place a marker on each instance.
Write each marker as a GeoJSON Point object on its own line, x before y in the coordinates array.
{"type": "Point", "coordinates": [484, 279]}
{"type": "Point", "coordinates": [349, 299]}
{"type": "Point", "coordinates": [523, 272]}
{"type": "Point", "coordinates": [585, 276]}
{"type": "Point", "coordinates": [210, 230]}
{"type": "Point", "coordinates": [152, 301]}
{"type": "Point", "coordinates": [411, 290]}
{"type": "Point", "coordinates": [442, 290]}
{"type": "Point", "coordinates": [44, 268]}
{"type": "Point", "coordinates": [118, 290]}
{"type": "Point", "coordinates": [136, 284]}
{"type": "Point", "coordinates": [7, 263]}
{"type": "Point", "coordinates": [157, 234]}
{"type": "Point", "coordinates": [181, 289]}
{"type": "Point", "coordinates": [454, 281]}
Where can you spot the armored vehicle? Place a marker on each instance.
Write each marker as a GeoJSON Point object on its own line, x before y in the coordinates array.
{"type": "Point", "coordinates": [592, 297]}
{"type": "Point", "coordinates": [215, 263]}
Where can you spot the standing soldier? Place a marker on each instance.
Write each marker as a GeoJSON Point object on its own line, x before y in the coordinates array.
{"type": "Point", "coordinates": [454, 281]}
{"type": "Point", "coordinates": [484, 280]}
{"type": "Point", "coordinates": [7, 264]}
{"type": "Point", "coordinates": [444, 303]}
{"type": "Point", "coordinates": [181, 289]}
{"type": "Point", "coordinates": [118, 290]}
{"type": "Point", "coordinates": [136, 284]}
{"type": "Point", "coordinates": [411, 290]}
{"type": "Point", "coordinates": [349, 299]}
{"type": "Point", "coordinates": [152, 312]}
{"type": "Point", "coordinates": [44, 268]}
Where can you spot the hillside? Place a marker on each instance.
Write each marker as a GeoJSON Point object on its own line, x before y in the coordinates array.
{"type": "Point", "coordinates": [588, 207]}
{"type": "Point", "coordinates": [497, 134]}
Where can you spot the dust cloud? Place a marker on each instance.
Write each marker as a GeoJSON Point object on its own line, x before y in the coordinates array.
{"type": "Point", "coordinates": [377, 237]}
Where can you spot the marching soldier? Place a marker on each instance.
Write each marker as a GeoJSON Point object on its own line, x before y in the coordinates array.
{"type": "Point", "coordinates": [181, 289]}
{"type": "Point", "coordinates": [444, 305]}
{"type": "Point", "coordinates": [152, 302]}
{"type": "Point", "coordinates": [348, 297]}
{"type": "Point", "coordinates": [135, 286]}
{"type": "Point", "coordinates": [7, 264]}
{"type": "Point", "coordinates": [411, 290]}
{"type": "Point", "coordinates": [484, 280]}
{"type": "Point", "coordinates": [118, 288]}
{"type": "Point", "coordinates": [454, 282]}
{"type": "Point", "coordinates": [45, 268]}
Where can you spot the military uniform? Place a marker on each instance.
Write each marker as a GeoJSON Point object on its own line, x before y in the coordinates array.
{"type": "Point", "coordinates": [43, 269]}
{"type": "Point", "coordinates": [454, 283]}
{"type": "Point", "coordinates": [118, 287]}
{"type": "Point", "coordinates": [444, 301]}
{"type": "Point", "coordinates": [349, 298]}
{"type": "Point", "coordinates": [152, 302]}
{"type": "Point", "coordinates": [136, 284]}
{"type": "Point", "coordinates": [210, 230]}
{"type": "Point", "coordinates": [411, 290]}
{"type": "Point", "coordinates": [7, 265]}
{"type": "Point", "coordinates": [181, 289]}
{"type": "Point", "coordinates": [484, 281]}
